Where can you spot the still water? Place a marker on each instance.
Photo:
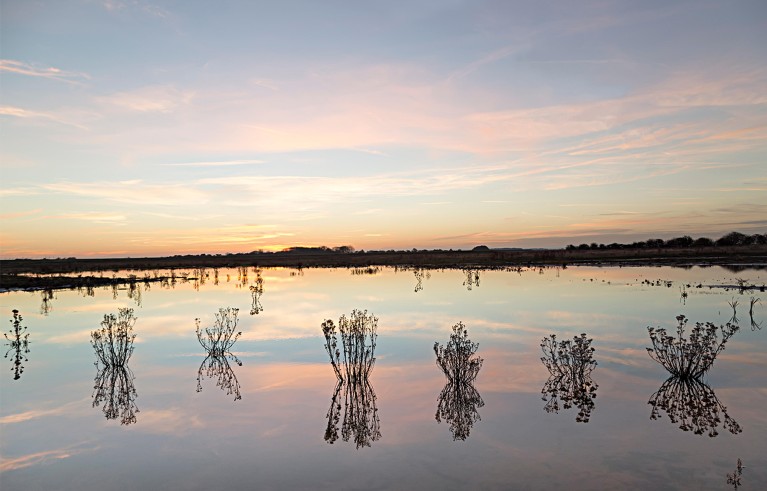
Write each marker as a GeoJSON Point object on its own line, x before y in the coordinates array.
{"type": "Point", "coordinates": [411, 399]}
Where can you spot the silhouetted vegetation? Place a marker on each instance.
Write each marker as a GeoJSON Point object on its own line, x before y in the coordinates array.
{"type": "Point", "coordinates": [420, 275]}
{"type": "Point", "coordinates": [734, 479]}
{"type": "Point", "coordinates": [218, 341]}
{"type": "Point", "coordinates": [113, 386]}
{"type": "Point", "coordinates": [729, 240]}
{"type": "Point", "coordinates": [18, 344]}
{"type": "Point", "coordinates": [352, 364]}
{"type": "Point", "coordinates": [693, 357]}
{"type": "Point", "coordinates": [570, 364]}
{"type": "Point", "coordinates": [754, 325]}
{"type": "Point", "coordinates": [459, 399]}
{"type": "Point", "coordinates": [472, 278]}
{"type": "Point", "coordinates": [684, 397]}
{"type": "Point", "coordinates": [256, 291]}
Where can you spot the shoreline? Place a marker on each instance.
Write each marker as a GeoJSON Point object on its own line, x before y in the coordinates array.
{"type": "Point", "coordinates": [44, 274]}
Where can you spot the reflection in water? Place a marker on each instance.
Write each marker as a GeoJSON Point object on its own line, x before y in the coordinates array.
{"type": "Point", "coordinates": [472, 278]}
{"type": "Point", "coordinates": [113, 386]}
{"type": "Point", "coordinates": [256, 291]}
{"type": "Point", "coordinates": [754, 325]}
{"type": "Point", "coordinates": [459, 399]}
{"type": "Point", "coordinates": [218, 341]}
{"type": "Point", "coordinates": [570, 364]}
{"type": "Point", "coordinates": [18, 343]}
{"type": "Point", "coordinates": [734, 479]}
{"type": "Point", "coordinates": [693, 405]}
{"type": "Point", "coordinates": [352, 365]}
{"type": "Point", "coordinates": [46, 302]}
{"type": "Point", "coordinates": [420, 275]}
{"type": "Point", "coordinates": [684, 397]}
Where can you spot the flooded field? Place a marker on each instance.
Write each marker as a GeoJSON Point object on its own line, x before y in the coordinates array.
{"type": "Point", "coordinates": [378, 378]}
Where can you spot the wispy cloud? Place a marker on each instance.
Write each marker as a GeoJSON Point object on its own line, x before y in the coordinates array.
{"type": "Point", "coordinates": [18, 112]}
{"type": "Point", "coordinates": [152, 99]}
{"type": "Point", "coordinates": [95, 217]}
{"type": "Point", "coordinates": [33, 70]}
{"type": "Point", "coordinates": [222, 163]}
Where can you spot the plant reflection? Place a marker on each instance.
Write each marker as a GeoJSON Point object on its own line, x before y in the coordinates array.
{"type": "Point", "coordinates": [218, 341]}
{"type": "Point", "coordinates": [18, 343]}
{"type": "Point", "coordinates": [459, 399]}
{"type": "Point", "coordinates": [754, 325]}
{"type": "Point", "coordinates": [570, 364]}
{"type": "Point", "coordinates": [684, 397]}
{"type": "Point", "coordinates": [420, 275]}
{"type": "Point", "coordinates": [352, 365]}
{"type": "Point", "coordinates": [113, 386]}
{"type": "Point", "coordinates": [472, 278]}
{"type": "Point", "coordinates": [46, 302]}
{"type": "Point", "coordinates": [734, 479]}
{"type": "Point", "coordinates": [256, 291]}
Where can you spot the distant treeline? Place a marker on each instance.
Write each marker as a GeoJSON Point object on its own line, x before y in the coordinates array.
{"type": "Point", "coordinates": [729, 240]}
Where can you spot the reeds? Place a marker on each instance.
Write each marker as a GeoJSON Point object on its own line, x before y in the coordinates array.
{"type": "Point", "coordinates": [693, 357]}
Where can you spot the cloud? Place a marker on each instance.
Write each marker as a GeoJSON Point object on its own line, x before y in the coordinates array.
{"type": "Point", "coordinates": [223, 163]}
{"type": "Point", "coordinates": [32, 70]}
{"type": "Point", "coordinates": [21, 113]}
{"type": "Point", "coordinates": [95, 217]}
{"type": "Point", "coordinates": [152, 99]}
{"type": "Point", "coordinates": [134, 192]}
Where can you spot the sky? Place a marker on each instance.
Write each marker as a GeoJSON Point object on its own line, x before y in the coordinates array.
{"type": "Point", "coordinates": [149, 128]}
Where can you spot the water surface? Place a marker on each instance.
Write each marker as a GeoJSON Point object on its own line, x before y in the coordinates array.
{"type": "Point", "coordinates": [267, 410]}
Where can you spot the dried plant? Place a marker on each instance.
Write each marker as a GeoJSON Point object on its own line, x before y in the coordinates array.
{"type": "Point", "coordinates": [570, 364]}
{"type": "Point", "coordinates": [352, 364]}
{"type": "Point", "coordinates": [420, 275]}
{"type": "Point", "coordinates": [218, 341]}
{"type": "Point", "coordinates": [18, 344]}
{"type": "Point", "coordinates": [734, 479]}
{"type": "Point", "coordinates": [693, 405]}
{"type": "Point", "coordinates": [734, 306]}
{"type": "Point", "coordinates": [256, 291]}
{"type": "Point", "coordinates": [113, 385]}
{"type": "Point", "coordinates": [46, 303]}
{"type": "Point", "coordinates": [754, 325]}
{"type": "Point", "coordinates": [472, 278]}
{"type": "Point", "coordinates": [689, 358]}
{"type": "Point", "coordinates": [459, 400]}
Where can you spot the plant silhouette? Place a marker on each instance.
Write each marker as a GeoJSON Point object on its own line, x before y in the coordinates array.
{"type": "Point", "coordinates": [113, 385]}
{"type": "Point", "coordinates": [734, 479]}
{"type": "Point", "coordinates": [46, 301]}
{"type": "Point", "coordinates": [218, 341]}
{"type": "Point", "coordinates": [458, 402]}
{"type": "Point", "coordinates": [420, 275]}
{"type": "Point", "coordinates": [686, 399]}
{"type": "Point", "coordinates": [18, 344]}
{"type": "Point", "coordinates": [256, 291]}
{"type": "Point", "coordinates": [352, 364]}
{"type": "Point", "coordinates": [472, 278]}
{"type": "Point", "coordinates": [570, 364]}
